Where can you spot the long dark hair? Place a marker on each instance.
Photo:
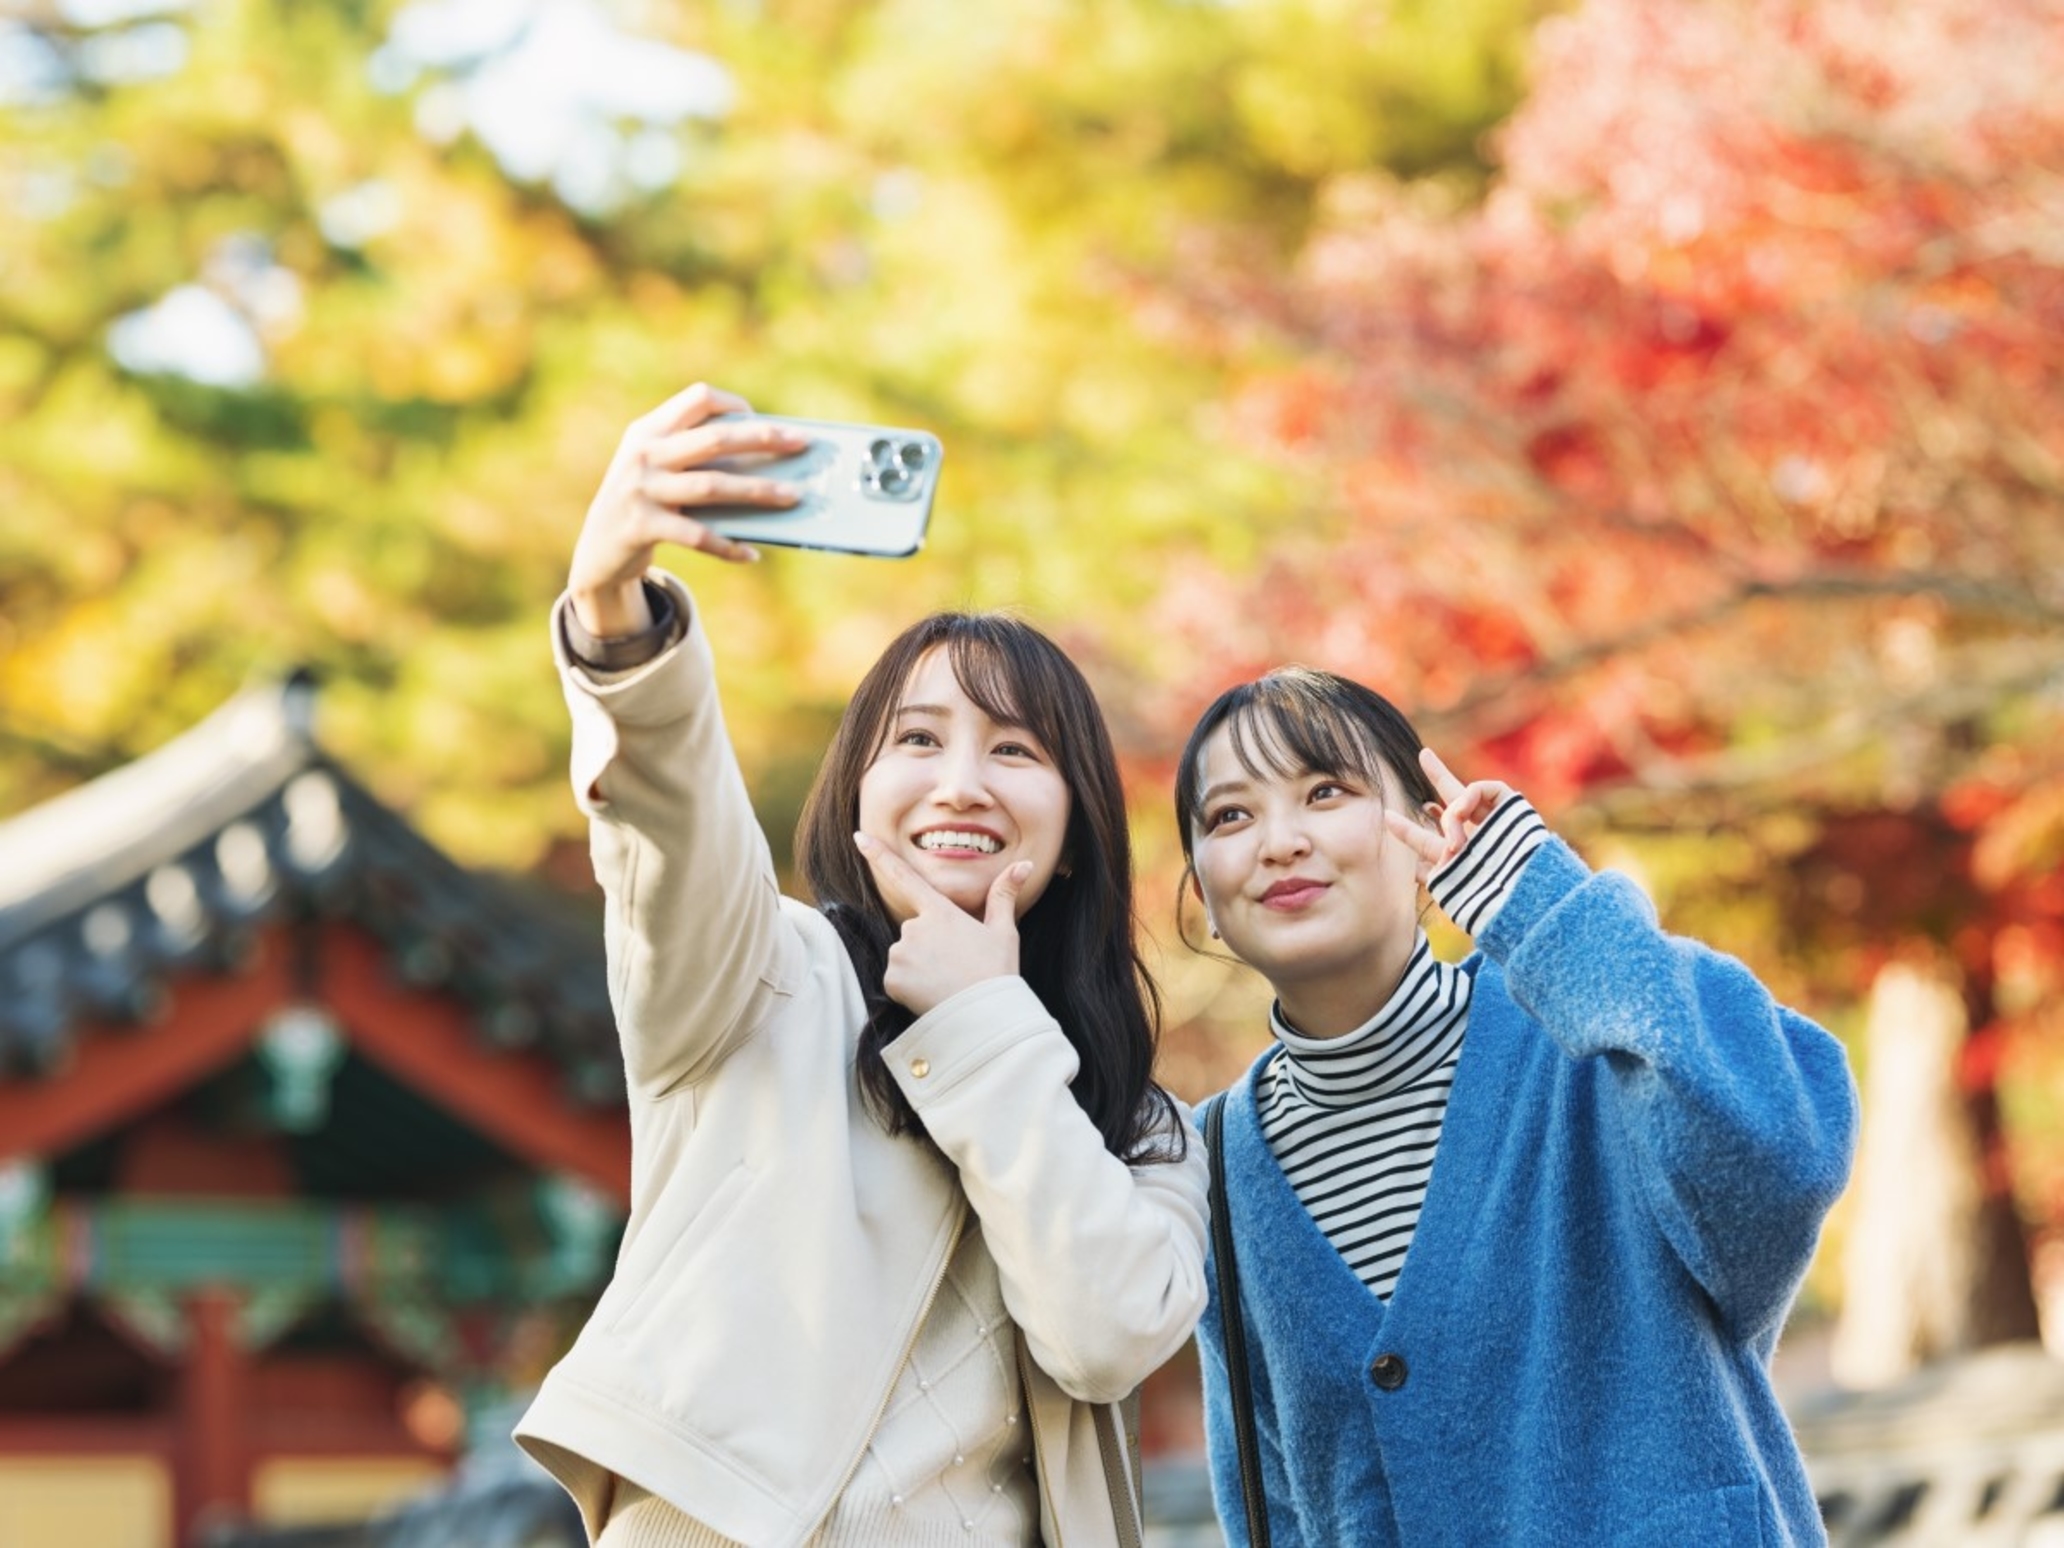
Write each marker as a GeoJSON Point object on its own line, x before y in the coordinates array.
{"type": "Point", "coordinates": [1077, 944]}
{"type": "Point", "coordinates": [1298, 720]}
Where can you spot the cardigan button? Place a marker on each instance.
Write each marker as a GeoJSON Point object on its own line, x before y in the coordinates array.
{"type": "Point", "coordinates": [920, 1068]}
{"type": "Point", "coordinates": [1388, 1371]}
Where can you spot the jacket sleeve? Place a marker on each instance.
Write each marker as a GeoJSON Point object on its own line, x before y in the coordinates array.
{"type": "Point", "coordinates": [1102, 1263]}
{"type": "Point", "coordinates": [1740, 1115]}
{"type": "Point", "coordinates": [692, 922]}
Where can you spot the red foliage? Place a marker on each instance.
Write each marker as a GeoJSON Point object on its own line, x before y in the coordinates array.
{"type": "Point", "coordinates": [1732, 418]}
{"type": "Point", "coordinates": [1714, 463]}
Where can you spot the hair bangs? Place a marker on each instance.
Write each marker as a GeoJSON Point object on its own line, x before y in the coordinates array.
{"type": "Point", "coordinates": [989, 675]}
{"type": "Point", "coordinates": [1287, 724]}
{"type": "Point", "coordinates": [1297, 721]}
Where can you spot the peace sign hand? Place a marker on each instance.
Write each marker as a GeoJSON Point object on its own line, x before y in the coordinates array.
{"type": "Point", "coordinates": [943, 949]}
{"type": "Point", "coordinates": [1448, 823]}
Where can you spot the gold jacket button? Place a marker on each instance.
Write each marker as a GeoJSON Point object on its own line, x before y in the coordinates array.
{"type": "Point", "coordinates": [920, 1068]}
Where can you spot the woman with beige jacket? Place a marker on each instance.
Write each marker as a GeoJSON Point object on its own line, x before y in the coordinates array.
{"type": "Point", "coordinates": [909, 1218]}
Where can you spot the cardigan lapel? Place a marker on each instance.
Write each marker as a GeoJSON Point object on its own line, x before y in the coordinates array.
{"type": "Point", "coordinates": [1289, 1272]}
{"type": "Point", "coordinates": [1461, 1156]}
{"type": "Point", "coordinates": [1267, 1211]}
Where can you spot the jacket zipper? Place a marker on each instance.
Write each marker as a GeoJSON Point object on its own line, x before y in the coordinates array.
{"type": "Point", "coordinates": [881, 1408]}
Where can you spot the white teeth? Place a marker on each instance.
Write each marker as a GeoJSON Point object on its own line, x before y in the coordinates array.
{"type": "Point", "coordinates": [947, 838]}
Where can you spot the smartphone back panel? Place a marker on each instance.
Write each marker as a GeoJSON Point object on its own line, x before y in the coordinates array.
{"type": "Point", "coordinates": [866, 489]}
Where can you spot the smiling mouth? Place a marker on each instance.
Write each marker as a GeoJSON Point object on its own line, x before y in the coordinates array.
{"type": "Point", "coordinates": [1289, 896]}
{"type": "Point", "coordinates": [959, 841]}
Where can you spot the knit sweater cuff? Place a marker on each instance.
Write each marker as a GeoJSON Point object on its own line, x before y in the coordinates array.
{"type": "Point", "coordinates": [1474, 885]}
{"type": "Point", "coordinates": [672, 684]}
{"type": "Point", "coordinates": [1552, 875]}
{"type": "Point", "coordinates": [604, 657]}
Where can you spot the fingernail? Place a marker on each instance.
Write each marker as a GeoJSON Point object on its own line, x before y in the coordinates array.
{"type": "Point", "coordinates": [752, 556]}
{"type": "Point", "coordinates": [1023, 869]}
{"type": "Point", "coordinates": [863, 843]}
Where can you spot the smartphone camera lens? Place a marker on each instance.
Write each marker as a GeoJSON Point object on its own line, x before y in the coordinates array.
{"type": "Point", "coordinates": [882, 453]}
{"type": "Point", "coordinates": [892, 481]}
{"type": "Point", "coordinates": [912, 455]}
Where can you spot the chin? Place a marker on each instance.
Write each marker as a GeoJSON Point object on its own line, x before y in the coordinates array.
{"type": "Point", "coordinates": [971, 892]}
{"type": "Point", "coordinates": [1303, 960]}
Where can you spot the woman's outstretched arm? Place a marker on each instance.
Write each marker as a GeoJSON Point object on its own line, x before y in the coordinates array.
{"type": "Point", "coordinates": [692, 921]}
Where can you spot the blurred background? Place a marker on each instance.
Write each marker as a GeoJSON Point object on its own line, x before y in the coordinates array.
{"type": "Point", "coordinates": [1664, 402]}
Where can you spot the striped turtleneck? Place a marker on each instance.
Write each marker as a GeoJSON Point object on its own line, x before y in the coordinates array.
{"type": "Point", "coordinates": [1354, 1120]}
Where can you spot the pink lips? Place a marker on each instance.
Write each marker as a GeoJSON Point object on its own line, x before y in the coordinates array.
{"type": "Point", "coordinates": [1292, 893]}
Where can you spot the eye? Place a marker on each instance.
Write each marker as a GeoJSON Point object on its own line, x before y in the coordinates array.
{"type": "Point", "coordinates": [1016, 750]}
{"type": "Point", "coordinates": [1218, 817]}
{"type": "Point", "coordinates": [1329, 790]}
{"type": "Point", "coordinates": [916, 737]}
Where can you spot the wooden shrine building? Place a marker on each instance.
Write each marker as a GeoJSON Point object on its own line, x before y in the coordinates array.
{"type": "Point", "coordinates": [307, 1136]}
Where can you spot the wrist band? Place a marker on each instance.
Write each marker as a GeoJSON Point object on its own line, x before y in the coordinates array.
{"type": "Point", "coordinates": [619, 653]}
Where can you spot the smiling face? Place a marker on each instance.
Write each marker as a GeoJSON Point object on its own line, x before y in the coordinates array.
{"type": "Point", "coordinates": [960, 796]}
{"type": "Point", "coordinates": [1279, 799]}
{"type": "Point", "coordinates": [1304, 884]}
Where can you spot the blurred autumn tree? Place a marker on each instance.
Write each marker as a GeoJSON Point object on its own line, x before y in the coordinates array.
{"type": "Point", "coordinates": [1706, 479]}
{"type": "Point", "coordinates": [1697, 466]}
{"type": "Point", "coordinates": [318, 323]}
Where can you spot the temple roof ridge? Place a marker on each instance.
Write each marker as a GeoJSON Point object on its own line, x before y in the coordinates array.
{"type": "Point", "coordinates": [172, 864]}
{"type": "Point", "coordinates": [123, 824]}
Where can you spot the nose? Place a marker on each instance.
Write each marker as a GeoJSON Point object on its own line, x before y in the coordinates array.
{"type": "Point", "coordinates": [1283, 839]}
{"type": "Point", "coordinates": [958, 784]}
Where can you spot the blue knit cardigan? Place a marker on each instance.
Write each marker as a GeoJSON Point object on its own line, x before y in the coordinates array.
{"type": "Point", "coordinates": [1631, 1176]}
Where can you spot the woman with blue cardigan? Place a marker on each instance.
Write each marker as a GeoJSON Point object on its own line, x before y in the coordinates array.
{"type": "Point", "coordinates": [1514, 1238]}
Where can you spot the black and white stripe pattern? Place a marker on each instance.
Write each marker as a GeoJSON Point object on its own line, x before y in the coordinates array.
{"type": "Point", "coordinates": [1354, 1120]}
{"type": "Point", "coordinates": [1470, 887]}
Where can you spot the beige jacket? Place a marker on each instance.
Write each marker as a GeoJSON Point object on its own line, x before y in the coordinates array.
{"type": "Point", "coordinates": [782, 1249]}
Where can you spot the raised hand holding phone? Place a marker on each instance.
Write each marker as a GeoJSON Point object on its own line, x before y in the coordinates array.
{"type": "Point", "coordinates": [669, 464]}
{"type": "Point", "coordinates": [860, 489]}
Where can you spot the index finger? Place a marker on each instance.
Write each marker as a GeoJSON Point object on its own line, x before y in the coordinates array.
{"type": "Point", "coordinates": [1444, 782]}
{"type": "Point", "coordinates": [692, 405]}
{"type": "Point", "coordinates": [1429, 847]}
{"type": "Point", "coordinates": [899, 885]}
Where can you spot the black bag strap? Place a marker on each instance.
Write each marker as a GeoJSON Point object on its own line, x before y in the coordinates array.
{"type": "Point", "coordinates": [1235, 1326]}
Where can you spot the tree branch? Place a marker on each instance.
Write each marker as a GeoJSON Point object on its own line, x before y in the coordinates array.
{"type": "Point", "coordinates": [1964, 593]}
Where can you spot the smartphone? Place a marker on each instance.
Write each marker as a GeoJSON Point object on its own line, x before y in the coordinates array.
{"type": "Point", "coordinates": [866, 489]}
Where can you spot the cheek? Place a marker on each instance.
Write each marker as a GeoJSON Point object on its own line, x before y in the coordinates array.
{"type": "Point", "coordinates": [1046, 809]}
{"type": "Point", "coordinates": [879, 805]}
{"type": "Point", "coordinates": [1217, 874]}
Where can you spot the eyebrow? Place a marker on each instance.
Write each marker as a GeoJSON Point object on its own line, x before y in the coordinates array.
{"type": "Point", "coordinates": [1223, 787]}
{"type": "Point", "coordinates": [941, 712]}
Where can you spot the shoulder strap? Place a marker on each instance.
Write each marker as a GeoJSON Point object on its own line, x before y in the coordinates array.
{"type": "Point", "coordinates": [1117, 1433]}
{"type": "Point", "coordinates": [1234, 1324]}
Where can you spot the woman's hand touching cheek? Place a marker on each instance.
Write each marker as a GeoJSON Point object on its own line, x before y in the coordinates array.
{"type": "Point", "coordinates": [943, 948]}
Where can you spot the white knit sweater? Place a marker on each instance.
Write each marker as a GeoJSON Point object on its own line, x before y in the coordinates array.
{"type": "Point", "coordinates": [950, 1462]}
